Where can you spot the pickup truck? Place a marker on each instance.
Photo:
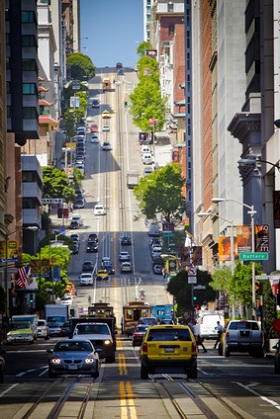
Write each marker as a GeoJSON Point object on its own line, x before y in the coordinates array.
{"type": "Point", "coordinates": [242, 336]}
{"type": "Point", "coordinates": [99, 333]}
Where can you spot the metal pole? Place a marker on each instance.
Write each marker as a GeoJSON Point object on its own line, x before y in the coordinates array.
{"type": "Point", "coordinates": [6, 278]}
{"type": "Point", "coordinates": [232, 263]}
{"type": "Point", "coordinates": [252, 212]}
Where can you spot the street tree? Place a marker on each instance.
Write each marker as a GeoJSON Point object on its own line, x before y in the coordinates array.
{"type": "Point", "coordinates": [161, 193]}
{"type": "Point", "coordinates": [81, 65]}
{"type": "Point", "coordinates": [56, 184]}
{"type": "Point", "coordinates": [143, 47]}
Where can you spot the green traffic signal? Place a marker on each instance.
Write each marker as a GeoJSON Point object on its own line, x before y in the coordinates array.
{"type": "Point", "coordinates": [194, 298]}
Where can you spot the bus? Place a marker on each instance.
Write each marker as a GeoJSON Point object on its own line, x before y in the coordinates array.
{"type": "Point", "coordinates": [132, 312]}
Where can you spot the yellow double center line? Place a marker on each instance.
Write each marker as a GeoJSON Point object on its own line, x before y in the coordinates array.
{"type": "Point", "coordinates": [127, 405]}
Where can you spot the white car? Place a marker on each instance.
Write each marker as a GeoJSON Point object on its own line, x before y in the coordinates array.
{"type": "Point", "coordinates": [124, 256]}
{"type": "Point", "coordinates": [126, 267]}
{"type": "Point", "coordinates": [145, 149]}
{"type": "Point", "coordinates": [106, 146]}
{"type": "Point", "coordinates": [42, 329]}
{"type": "Point", "coordinates": [147, 158]}
{"type": "Point", "coordinates": [99, 209]}
{"type": "Point", "coordinates": [86, 278]}
{"type": "Point", "coordinates": [94, 139]}
{"type": "Point", "coordinates": [106, 128]}
{"type": "Point", "coordinates": [78, 218]}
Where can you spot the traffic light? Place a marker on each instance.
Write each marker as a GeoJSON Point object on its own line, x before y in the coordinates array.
{"type": "Point", "coordinates": [31, 299]}
{"type": "Point", "coordinates": [194, 297]}
{"type": "Point", "coordinates": [258, 287]}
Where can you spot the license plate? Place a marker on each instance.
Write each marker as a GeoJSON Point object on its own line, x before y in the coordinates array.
{"type": "Point", "coordinates": [72, 367]}
{"type": "Point", "coordinates": [169, 350]}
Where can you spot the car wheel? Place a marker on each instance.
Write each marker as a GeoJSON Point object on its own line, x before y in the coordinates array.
{"type": "Point", "coordinates": [2, 376]}
{"type": "Point", "coordinates": [227, 353]}
{"type": "Point", "coordinates": [32, 342]}
{"type": "Point", "coordinates": [47, 338]}
{"type": "Point", "coordinates": [95, 374]}
{"type": "Point", "coordinates": [191, 373]}
{"type": "Point", "coordinates": [220, 349]}
{"type": "Point", "coordinates": [52, 374]}
{"type": "Point", "coordinates": [144, 373]}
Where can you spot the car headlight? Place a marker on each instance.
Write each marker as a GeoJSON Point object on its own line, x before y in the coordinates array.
{"type": "Point", "coordinates": [56, 361]}
{"type": "Point", "coordinates": [90, 361]}
{"type": "Point", "coordinates": [107, 342]}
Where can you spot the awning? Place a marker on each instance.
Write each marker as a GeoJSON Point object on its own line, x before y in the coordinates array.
{"type": "Point", "coordinates": [43, 89]}
{"type": "Point", "coordinates": [47, 119]}
{"type": "Point", "coordinates": [43, 102]}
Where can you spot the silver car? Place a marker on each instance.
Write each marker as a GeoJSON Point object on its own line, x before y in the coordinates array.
{"type": "Point", "coordinates": [73, 356]}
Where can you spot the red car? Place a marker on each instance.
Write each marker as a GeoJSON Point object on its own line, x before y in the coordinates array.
{"type": "Point", "coordinates": [94, 128]}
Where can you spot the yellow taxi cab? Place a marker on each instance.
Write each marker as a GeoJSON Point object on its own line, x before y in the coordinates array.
{"type": "Point", "coordinates": [102, 275]}
{"type": "Point", "coordinates": [106, 114]}
{"type": "Point", "coordinates": [168, 346]}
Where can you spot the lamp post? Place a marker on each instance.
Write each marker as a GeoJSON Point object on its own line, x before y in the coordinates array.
{"type": "Point", "coordinates": [207, 214]}
{"type": "Point", "coordinates": [252, 213]}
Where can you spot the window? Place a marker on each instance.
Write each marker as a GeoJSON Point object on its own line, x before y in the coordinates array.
{"type": "Point", "coordinates": [8, 63]}
{"type": "Point", "coordinates": [29, 65]}
{"type": "Point", "coordinates": [170, 7]}
{"type": "Point", "coordinates": [29, 113]}
{"type": "Point", "coordinates": [28, 17]}
{"type": "Point", "coordinates": [28, 88]}
{"type": "Point", "coordinates": [171, 29]}
{"type": "Point", "coordinates": [28, 41]}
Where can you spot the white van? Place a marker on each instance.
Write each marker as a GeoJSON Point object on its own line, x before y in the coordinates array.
{"type": "Point", "coordinates": [154, 231]}
{"type": "Point", "coordinates": [207, 323]}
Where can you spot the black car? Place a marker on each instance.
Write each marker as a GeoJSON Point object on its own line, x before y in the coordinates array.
{"type": "Point", "coordinates": [92, 246]}
{"type": "Point", "coordinates": [93, 237]}
{"type": "Point", "coordinates": [138, 334]}
{"type": "Point", "coordinates": [74, 225]}
{"type": "Point", "coordinates": [65, 329]}
{"type": "Point", "coordinates": [75, 249]}
{"type": "Point", "coordinates": [87, 266]}
{"type": "Point", "coordinates": [126, 241]}
{"type": "Point", "coordinates": [2, 366]}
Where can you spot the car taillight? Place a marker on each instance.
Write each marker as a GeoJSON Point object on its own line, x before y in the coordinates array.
{"type": "Point", "coordinates": [227, 334]}
{"type": "Point", "coordinates": [144, 347]}
{"type": "Point", "coordinates": [194, 347]}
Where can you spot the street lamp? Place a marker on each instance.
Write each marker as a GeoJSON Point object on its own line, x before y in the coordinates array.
{"type": "Point", "coordinates": [251, 212]}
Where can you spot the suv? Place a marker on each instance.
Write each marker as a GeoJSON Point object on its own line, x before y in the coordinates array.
{"type": "Point", "coordinates": [167, 346]}
{"type": "Point", "coordinates": [87, 266]}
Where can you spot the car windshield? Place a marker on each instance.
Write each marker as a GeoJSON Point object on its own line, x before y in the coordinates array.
{"type": "Point", "coordinates": [73, 346]}
{"type": "Point", "coordinates": [243, 325]}
{"type": "Point", "coordinates": [21, 325]}
{"type": "Point", "coordinates": [169, 335]}
{"type": "Point", "coordinates": [91, 329]}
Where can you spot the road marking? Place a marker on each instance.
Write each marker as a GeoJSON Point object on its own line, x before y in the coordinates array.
{"type": "Point", "coordinates": [247, 387]}
{"type": "Point", "coordinates": [128, 409]}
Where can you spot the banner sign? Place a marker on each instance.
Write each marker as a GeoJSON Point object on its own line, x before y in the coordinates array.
{"type": "Point", "coordinates": [8, 251]}
{"type": "Point", "coordinates": [40, 267]}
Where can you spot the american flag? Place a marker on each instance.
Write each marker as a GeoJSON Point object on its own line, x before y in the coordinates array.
{"type": "Point", "coordinates": [23, 274]}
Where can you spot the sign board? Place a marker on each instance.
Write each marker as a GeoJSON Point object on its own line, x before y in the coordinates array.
{"type": "Point", "coordinates": [263, 276]}
{"type": "Point", "coordinates": [52, 201]}
{"type": "Point", "coordinates": [8, 251]}
{"type": "Point", "coordinates": [192, 280]}
{"type": "Point", "coordinates": [253, 256]}
{"type": "Point", "coordinates": [199, 287]}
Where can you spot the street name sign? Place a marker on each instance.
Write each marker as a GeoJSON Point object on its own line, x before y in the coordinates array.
{"type": "Point", "coordinates": [253, 256]}
{"type": "Point", "coordinates": [199, 287]}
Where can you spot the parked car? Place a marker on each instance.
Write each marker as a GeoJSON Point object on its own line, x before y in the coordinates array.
{"type": "Point", "coordinates": [124, 256]}
{"type": "Point", "coordinates": [78, 218]}
{"type": "Point", "coordinates": [42, 329]}
{"type": "Point", "coordinates": [75, 248]}
{"type": "Point", "coordinates": [87, 266]}
{"type": "Point", "coordinates": [95, 103]}
{"type": "Point", "coordinates": [168, 346]}
{"type": "Point", "coordinates": [125, 241]}
{"type": "Point", "coordinates": [99, 209]}
{"type": "Point", "coordinates": [74, 224]}
{"type": "Point", "coordinates": [73, 356]}
{"type": "Point", "coordinates": [86, 278]}
{"type": "Point", "coordinates": [79, 203]}
{"type": "Point", "coordinates": [126, 267]}
{"type": "Point", "coordinates": [148, 171]}
{"type": "Point", "coordinates": [2, 366]}
{"type": "Point", "coordinates": [157, 269]}
{"type": "Point", "coordinates": [94, 128]}
{"type": "Point", "coordinates": [75, 237]}
{"type": "Point", "coordinates": [147, 158]}
{"type": "Point", "coordinates": [92, 246]}
{"type": "Point", "coordinates": [106, 146]}
{"type": "Point", "coordinates": [139, 334]}
{"type": "Point", "coordinates": [106, 128]}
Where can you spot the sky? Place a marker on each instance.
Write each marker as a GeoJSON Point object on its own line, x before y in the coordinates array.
{"type": "Point", "coordinates": [114, 29]}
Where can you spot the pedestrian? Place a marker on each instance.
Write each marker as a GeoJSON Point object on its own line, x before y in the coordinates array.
{"type": "Point", "coordinates": [220, 329]}
{"type": "Point", "coordinates": [196, 333]}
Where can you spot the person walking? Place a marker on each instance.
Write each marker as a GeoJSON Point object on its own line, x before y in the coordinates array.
{"type": "Point", "coordinates": [220, 329]}
{"type": "Point", "coordinates": [196, 332]}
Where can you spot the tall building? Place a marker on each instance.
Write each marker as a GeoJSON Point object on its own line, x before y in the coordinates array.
{"type": "Point", "coordinates": [147, 8]}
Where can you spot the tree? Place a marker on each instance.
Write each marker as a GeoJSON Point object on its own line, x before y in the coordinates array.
{"type": "Point", "coordinates": [56, 184]}
{"type": "Point", "coordinates": [178, 286]}
{"type": "Point", "coordinates": [142, 48]}
{"type": "Point", "coordinates": [81, 66]}
{"type": "Point", "coordinates": [269, 310]}
{"type": "Point", "coordinates": [161, 193]}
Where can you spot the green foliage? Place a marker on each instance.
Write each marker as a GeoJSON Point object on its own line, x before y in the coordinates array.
{"type": "Point", "coordinates": [69, 121]}
{"type": "Point", "coordinates": [82, 67]}
{"type": "Point", "coordinates": [46, 222]}
{"type": "Point", "coordinates": [51, 237]}
{"type": "Point", "coordinates": [146, 99]}
{"type": "Point", "coordinates": [142, 48]}
{"type": "Point", "coordinates": [161, 192]}
{"type": "Point", "coordinates": [178, 286]}
{"type": "Point", "coordinates": [56, 184]}
{"type": "Point", "coordinates": [270, 310]}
